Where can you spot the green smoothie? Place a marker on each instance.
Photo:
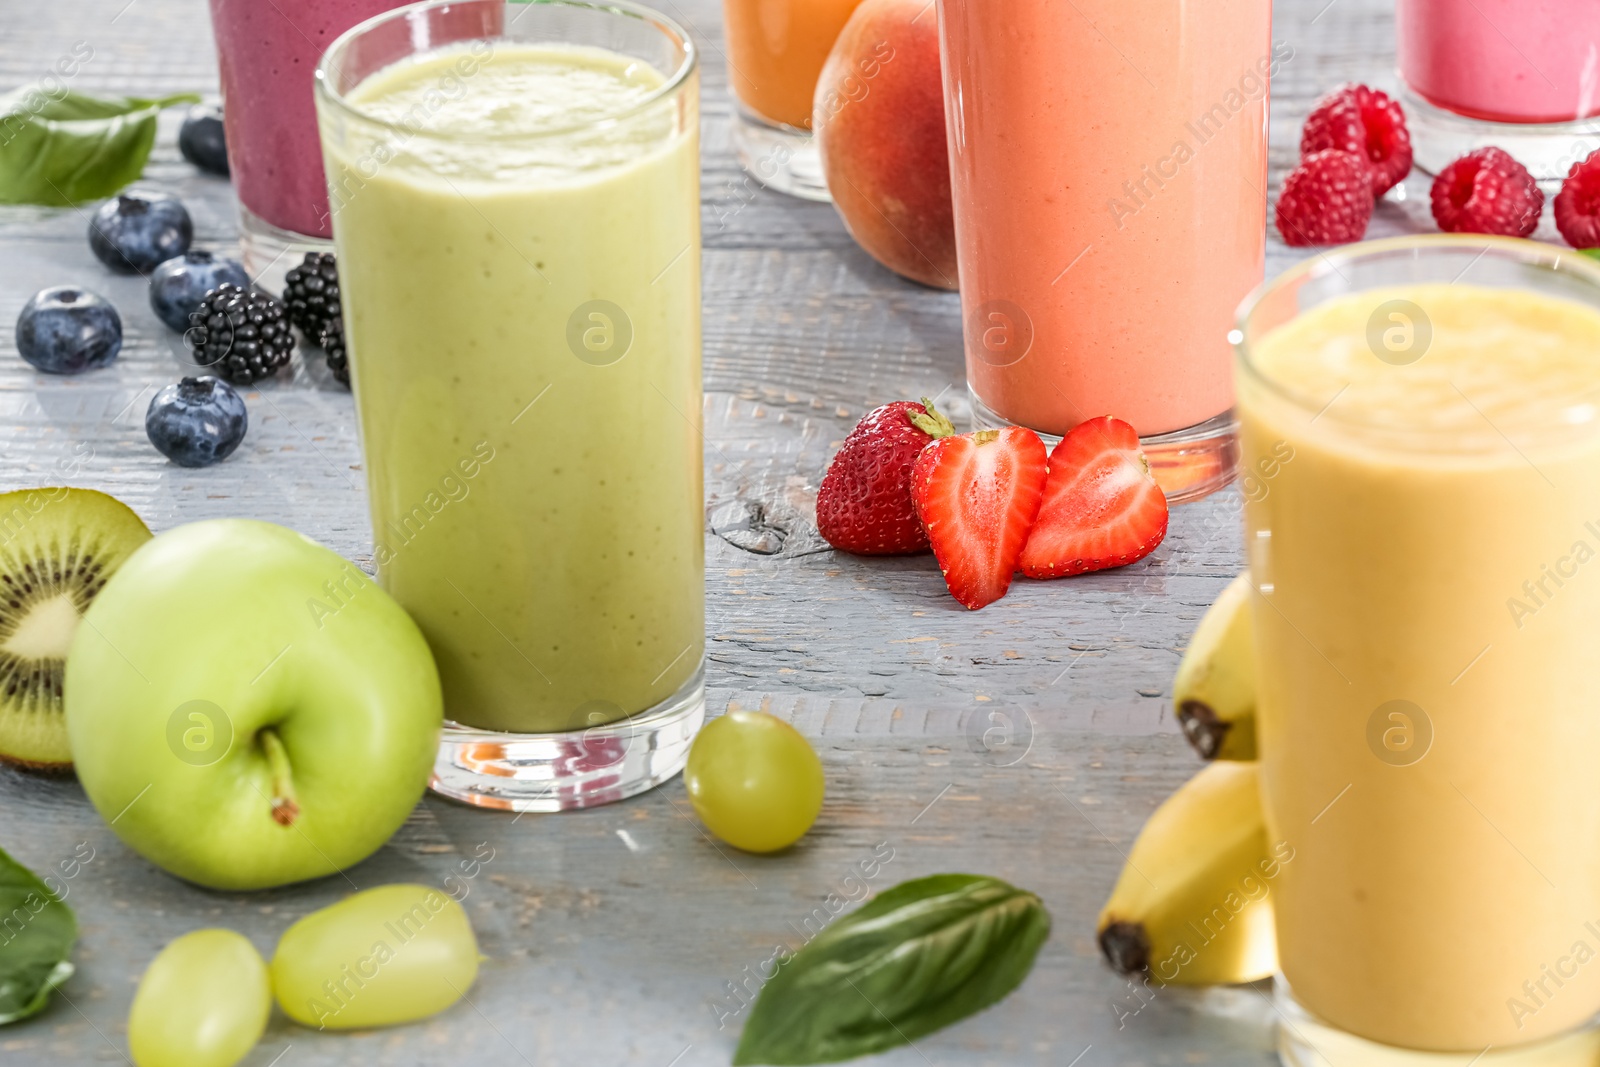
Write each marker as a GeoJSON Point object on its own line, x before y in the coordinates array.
{"type": "Point", "coordinates": [521, 288]}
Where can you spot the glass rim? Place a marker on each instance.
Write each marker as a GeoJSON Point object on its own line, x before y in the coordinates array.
{"type": "Point", "coordinates": [1555, 258]}
{"type": "Point", "coordinates": [672, 83]}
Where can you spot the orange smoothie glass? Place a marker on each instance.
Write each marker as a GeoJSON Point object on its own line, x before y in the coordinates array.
{"type": "Point", "coordinates": [1424, 413]}
{"type": "Point", "coordinates": [776, 49]}
{"type": "Point", "coordinates": [1109, 169]}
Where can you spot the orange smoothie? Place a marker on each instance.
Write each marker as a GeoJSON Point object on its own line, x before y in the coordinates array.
{"type": "Point", "coordinates": [775, 53]}
{"type": "Point", "coordinates": [1108, 163]}
{"type": "Point", "coordinates": [1426, 617]}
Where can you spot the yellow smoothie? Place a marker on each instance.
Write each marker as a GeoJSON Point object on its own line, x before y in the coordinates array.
{"type": "Point", "coordinates": [522, 307]}
{"type": "Point", "coordinates": [1427, 619]}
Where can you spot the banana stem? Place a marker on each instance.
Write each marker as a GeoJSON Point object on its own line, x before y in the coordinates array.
{"type": "Point", "coordinates": [285, 808]}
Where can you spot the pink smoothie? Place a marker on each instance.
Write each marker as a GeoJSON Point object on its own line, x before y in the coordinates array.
{"type": "Point", "coordinates": [1109, 169]}
{"type": "Point", "coordinates": [267, 51]}
{"type": "Point", "coordinates": [1503, 60]}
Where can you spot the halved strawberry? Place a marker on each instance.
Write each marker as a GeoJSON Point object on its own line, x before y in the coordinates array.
{"type": "Point", "coordinates": [977, 495]}
{"type": "Point", "coordinates": [1102, 507]}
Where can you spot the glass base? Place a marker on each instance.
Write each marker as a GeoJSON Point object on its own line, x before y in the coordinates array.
{"type": "Point", "coordinates": [1188, 464]}
{"type": "Point", "coordinates": [1547, 149]}
{"type": "Point", "coordinates": [1306, 1041]}
{"type": "Point", "coordinates": [575, 768]}
{"type": "Point", "coordinates": [780, 157]}
{"type": "Point", "coordinates": [269, 251]}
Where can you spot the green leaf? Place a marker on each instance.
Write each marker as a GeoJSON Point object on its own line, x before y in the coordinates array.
{"type": "Point", "coordinates": [36, 934]}
{"type": "Point", "coordinates": [921, 956]}
{"type": "Point", "coordinates": [63, 147]}
{"type": "Point", "coordinates": [1592, 253]}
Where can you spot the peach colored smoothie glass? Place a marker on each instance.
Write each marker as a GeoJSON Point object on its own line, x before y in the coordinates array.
{"type": "Point", "coordinates": [1425, 619]}
{"type": "Point", "coordinates": [1523, 75]}
{"type": "Point", "coordinates": [776, 49]}
{"type": "Point", "coordinates": [1108, 163]}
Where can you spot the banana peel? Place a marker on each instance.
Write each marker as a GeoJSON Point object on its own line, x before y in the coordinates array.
{"type": "Point", "coordinates": [1193, 905]}
{"type": "Point", "coordinates": [1214, 693]}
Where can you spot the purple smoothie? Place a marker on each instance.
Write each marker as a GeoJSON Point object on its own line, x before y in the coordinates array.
{"type": "Point", "coordinates": [268, 53]}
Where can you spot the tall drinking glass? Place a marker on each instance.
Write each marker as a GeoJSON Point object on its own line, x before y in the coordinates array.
{"type": "Point", "coordinates": [266, 55]}
{"type": "Point", "coordinates": [1109, 169]}
{"type": "Point", "coordinates": [1522, 75]}
{"type": "Point", "coordinates": [776, 49]}
{"type": "Point", "coordinates": [1423, 419]}
{"type": "Point", "coordinates": [516, 210]}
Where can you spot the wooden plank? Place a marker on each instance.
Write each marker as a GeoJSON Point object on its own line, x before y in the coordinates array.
{"type": "Point", "coordinates": [614, 936]}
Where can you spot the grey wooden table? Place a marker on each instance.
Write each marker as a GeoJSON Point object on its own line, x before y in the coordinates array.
{"type": "Point", "coordinates": [616, 936]}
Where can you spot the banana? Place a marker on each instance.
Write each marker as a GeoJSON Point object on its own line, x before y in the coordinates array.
{"type": "Point", "coordinates": [1214, 694]}
{"type": "Point", "coordinates": [1194, 903]}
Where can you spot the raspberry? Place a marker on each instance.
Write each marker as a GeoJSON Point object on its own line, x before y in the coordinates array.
{"type": "Point", "coordinates": [1326, 200]}
{"type": "Point", "coordinates": [1577, 205]}
{"type": "Point", "coordinates": [1354, 118]}
{"type": "Point", "coordinates": [1486, 191]}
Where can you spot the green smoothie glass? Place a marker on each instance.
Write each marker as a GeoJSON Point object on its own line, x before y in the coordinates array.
{"type": "Point", "coordinates": [515, 199]}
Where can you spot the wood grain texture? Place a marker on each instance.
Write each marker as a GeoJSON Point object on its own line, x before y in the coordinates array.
{"type": "Point", "coordinates": [617, 936]}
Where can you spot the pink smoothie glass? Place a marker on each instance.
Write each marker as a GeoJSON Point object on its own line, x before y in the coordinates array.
{"type": "Point", "coordinates": [268, 53]}
{"type": "Point", "coordinates": [1109, 170]}
{"type": "Point", "coordinates": [1523, 75]}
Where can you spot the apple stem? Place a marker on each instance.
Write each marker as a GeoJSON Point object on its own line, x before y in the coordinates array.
{"type": "Point", "coordinates": [285, 809]}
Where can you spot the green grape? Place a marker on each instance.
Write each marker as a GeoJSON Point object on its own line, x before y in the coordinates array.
{"type": "Point", "coordinates": [754, 781]}
{"type": "Point", "coordinates": [379, 957]}
{"type": "Point", "coordinates": [203, 1002]}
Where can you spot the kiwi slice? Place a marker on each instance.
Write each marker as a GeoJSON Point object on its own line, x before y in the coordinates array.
{"type": "Point", "coordinates": [57, 548]}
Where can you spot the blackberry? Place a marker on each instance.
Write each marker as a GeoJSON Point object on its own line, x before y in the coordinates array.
{"type": "Point", "coordinates": [311, 293]}
{"type": "Point", "coordinates": [242, 334]}
{"type": "Point", "coordinates": [332, 342]}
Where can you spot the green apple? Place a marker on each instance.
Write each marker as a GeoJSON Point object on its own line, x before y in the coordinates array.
{"type": "Point", "coordinates": [247, 708]}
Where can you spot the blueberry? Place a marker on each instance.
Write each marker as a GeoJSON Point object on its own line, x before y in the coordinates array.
{"type": "Point", "coordinates": [67, 330]}
{"type": "Point", "coordinates": [201, 140]}
{"type": "Point", "coordinates": [179, 284]}
{"type": "Point", "coordinates": [138, 231]}
{"type": "Point", "coordinates": [198, 422]}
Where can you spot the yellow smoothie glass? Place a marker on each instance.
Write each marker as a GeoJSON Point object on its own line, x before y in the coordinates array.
{"type": "Point", "coordinates": [515, 201]}
{"type": "Point", "coordinates": [1421, 420]}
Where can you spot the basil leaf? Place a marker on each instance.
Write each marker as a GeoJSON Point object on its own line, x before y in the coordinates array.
{"type": "Point", "coordinates": [919, 957]}
{"type": "Point", "coordinates": [63, 147]}
{"type": "Point", "coordinates": [36, 934]}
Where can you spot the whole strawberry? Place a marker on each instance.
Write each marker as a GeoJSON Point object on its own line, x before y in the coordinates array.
{"type": "Point", "coordinates": [1326, 200]}
{"type": "Point", "coordinates": [1577, 205]}
{"type": "Point", "coordinates": [864, 505]}
{"type": "Point", "coordinates": [1366, 122]}
{"type": "Point", "coordinates": [1486, 191]}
